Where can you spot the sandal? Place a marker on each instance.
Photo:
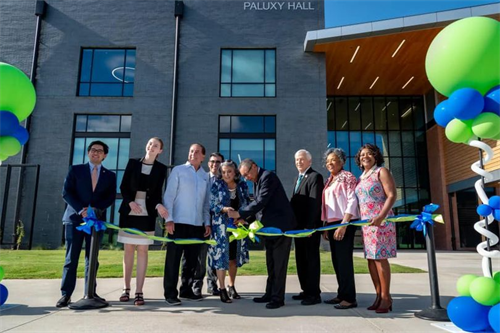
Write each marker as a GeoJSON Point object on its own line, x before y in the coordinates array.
{"type": "Point", "coordinates": [125, 296]}
{"type": "Point", "coordinates": [139, 299]}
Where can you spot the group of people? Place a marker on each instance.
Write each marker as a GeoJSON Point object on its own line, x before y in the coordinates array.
{"type": "Point", "coordinates": [201, 205]}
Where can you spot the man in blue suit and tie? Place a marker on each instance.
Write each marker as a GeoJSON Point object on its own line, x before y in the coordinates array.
{"type": "Point", "coordinates": [86, 185]}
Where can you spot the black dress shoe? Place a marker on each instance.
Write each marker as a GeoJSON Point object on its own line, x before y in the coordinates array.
{"type": "Point", "coordinates": [263, 299]}
{"type": "Point", "coordinates": [345, 307]}
{"type": "Point", "coordinates": [63, 302]}
{"type": "Point", "coordinates": [213, 292]}
{"type": "Point", "coordinates": [333, 301]}
{"type": "Point", "coordinates": [274, 305]}
{"type": "Point", "coordinates": [99, 298]}
{"type": "Point", "coordinates": [299, 297]}
{"type": "Point", "coordinates": [311, 300]}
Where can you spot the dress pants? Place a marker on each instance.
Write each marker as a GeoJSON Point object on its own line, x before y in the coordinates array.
{"type": "Point", "coordinates": [277, 255]}
{"type": "Point", "coordinates": [342, 259]}
{"type": "Point", "coordinates": [74, 242]}
{"type": "Point", "coordinates": [199, 274]}
{"type": "Point", "coordinates": [173, 260]}
{"type": "Point", "coordinates": [308, 264]}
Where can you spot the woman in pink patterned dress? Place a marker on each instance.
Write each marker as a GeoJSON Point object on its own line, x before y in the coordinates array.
{"type": "Point", "coordinates": [376, 192]}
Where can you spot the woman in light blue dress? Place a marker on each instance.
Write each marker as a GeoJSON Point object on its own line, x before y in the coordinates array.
{"type": "Point", "coordinates": [229, 192]}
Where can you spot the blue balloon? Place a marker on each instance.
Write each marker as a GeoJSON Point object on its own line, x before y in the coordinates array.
{"type": "Point", "coordinates": [21, 134]}
{"type": "Point", "coordinates": [4, 293]}
{"type": "Point", "coordinates": [494, 318]}
{"type": "Point", "coordinates": [442, 114]}
{"type": "Point", "coordinates": [468, 314]}
{"type": "Point", "coordinates": [496, 214]}
{"type": "Point", "coordinates": [466, 103]}
{"type": "Point", "coordinates": [492, 101]}
{"type": "Point", "coordinates": [494, 202]}
{"type": "Point", "coordinates": [484, 210]}
{"type": "Point", "coordinates": [8, 123]}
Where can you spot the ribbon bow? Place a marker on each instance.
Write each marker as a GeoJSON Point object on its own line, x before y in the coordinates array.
{"type": "Point", "coordinates": [426, 217]}
{"type": "Point", "coordinates": [242, 232]}
{"type": "Point", "coordinates": [91, 221]}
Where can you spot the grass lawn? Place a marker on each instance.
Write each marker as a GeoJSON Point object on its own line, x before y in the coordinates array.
{"type": "Point", "coordinates": [47, 264]}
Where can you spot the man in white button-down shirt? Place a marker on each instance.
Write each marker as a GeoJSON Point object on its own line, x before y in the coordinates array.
{"type": "Point", "coordinates": [187, 199]}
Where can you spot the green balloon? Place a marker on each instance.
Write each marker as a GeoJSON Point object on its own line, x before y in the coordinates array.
{"type": "Point", "coordinates": [3, 157]}
{"type": "Point", "coordinates": [9, 146]}
{"type": "Point", "coordinates": [459, 131]}
{"type": "Point", "coordinates": [17, 94]}
{"type": "Point", "coordinates": [486, 125]}
{"type": "Point", "coordinates": [2, 273]}
{"type": "Point", "coordinates": [463, 284]}
{"type": "Point", "coordinates": [496, 276]}
{"type": "Point", "coordinates": [485, 291]}
{"type": "Point", "coordinates": [465, 54]}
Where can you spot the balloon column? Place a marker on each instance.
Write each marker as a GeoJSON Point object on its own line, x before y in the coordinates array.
{"type": "Point", "coordinates": [17, 100]}
{"type": "Point", "coordinates": [463, 63]}
{"type": "Point", "coordinates": [4, 293]}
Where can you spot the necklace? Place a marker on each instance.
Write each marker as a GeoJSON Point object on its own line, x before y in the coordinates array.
{"type": "Point", "coordinates": [232, 193]}
{"type": "Point", "coordinates": [368, 173]}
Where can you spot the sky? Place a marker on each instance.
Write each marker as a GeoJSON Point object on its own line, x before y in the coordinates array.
{"type": "Point", "coordinates": [347, 12]}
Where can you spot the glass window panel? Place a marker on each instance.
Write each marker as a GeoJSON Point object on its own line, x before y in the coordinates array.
{"type": "Point", "coordinates": [354, 142]}
{"type": "Point", "coordinates": [126, 124]}
{"type": "Point", "coordinates": [108, 215]}
{"type": "Point", "coordinates": [270, 154]}
{"type": "Point", "coordinates": [81, 123]}
{"type": "Point", "coordinates": [356, 171]}
{"type": "Point", "coordinates": [103, 124]}
{"type": "Point", "coordinates": [343, 142]}
{"type": "Point", "coordinates": [119, 178]}
{"type": "Point", "coordinates": [248, 90]}
{"type": "Point", "coordinates": [226, 67]}
{"type": "Point", "coordinates": [421, 144]}
{"type": "Point", "coordinates": [108, 66]}
{"type": "Point", "coordinates": [354, 114]}
{"type": "Point", "coordinates": [395, 165]}
{"type": "Point", "coordinates": [380, 110]}
{"type": "Point", "coordinates": [331, 139]}
{"type": "Point", "coordinates": [86, 66]}
{"type": "Point", "coordinates": [418, 113]}
{"type": "Point", "coordinates": [423, 173]}
{"type": "Point", "coordinates": [393, 113]}
{"type": "Point", "coordinates": [408, 144]}
{"type": "Point", "coordinates": [84, 89]}
{"type": "Point", "coordinates": [124, 153]}
{"type": "Point", "coordinates": [224, 124]}
{"type": "Point", "coordinates": [248, 66]}
{"type": "Point", "coordinates": [368, 138]}
{"type": "Point", "coordinates": [270, 124]}
{"type": "Point", "coordinates": [410, 172]}
{"type": "Point", "coordinates": [424, 196]}
{"type": "Point", "coordinates": [112, 159]}
{"type": "Point", "coordinates": [270, 66]}
{"type": "Point", "coordinates": [394, 144]}
{"type": "Point", "coordinates": [224, 149]}
{"type": "Point", "coordinates": [406, 110]}
{"type": "Point", "coordinates": [411, 195]}
{"type": "Point", "coordinates": [106, 89]}
{"type": "Point", "coordinates": [247, 124]}
{"type": "Point", "coordinates": [270, 90]}
{"type": "Point", "coordinates": [130, 66]}
{"type": "Point", "coordinates": [367, 114]}
{"type": "Point", "coordinates": [79, 151]}
{"type": "Point", "coordinates": [330, 115]}
{"type": "Point", "coordinates": [128, 90]}
{"type": "Point", "coordinates": [225, 90]}
{"type": "Point", "coordinates": [381, 142]}
{"type": "Point", "coordinates": [399, 199]}
{"type": "Point", "coordinates": [341, 114]}
{"type": "Point", "coordinates": [248, 148]}
{"type": "Point", "coordinates": [116, 219]}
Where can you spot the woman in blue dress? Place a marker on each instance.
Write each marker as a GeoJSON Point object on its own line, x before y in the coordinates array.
{"type": "Point", "coordinates": [229, 192]}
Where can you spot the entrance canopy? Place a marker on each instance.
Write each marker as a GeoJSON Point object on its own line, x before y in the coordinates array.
{"type": "Point", "coordinates": [384, 57]}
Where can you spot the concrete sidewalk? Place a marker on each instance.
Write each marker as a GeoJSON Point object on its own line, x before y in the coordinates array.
{"type": "Point", "coordinates": [30, 307]}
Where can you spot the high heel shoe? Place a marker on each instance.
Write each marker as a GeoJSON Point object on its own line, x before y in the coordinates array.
{"type": "Point", "coordinates": [386, 309]}
{"type": "Point", "coordinates": [233, 293]}
{"type": "Point", "coordinates": [375, 304]}
{"type": "Point", "coordinates": [224, 297]}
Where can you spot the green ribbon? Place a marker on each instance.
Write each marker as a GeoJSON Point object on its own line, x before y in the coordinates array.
{"type": "Point", "coordinates": [242, 232]}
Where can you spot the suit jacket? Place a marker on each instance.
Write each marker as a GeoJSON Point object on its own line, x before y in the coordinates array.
{"type": "Point", "coordinates": [306, 202]}
{"type": "Point", "coordinates": [270, 205]}
{"type": "Point", "coordinates": [78, 194]}
{"type": "Point", "coordinates": [131, 184]}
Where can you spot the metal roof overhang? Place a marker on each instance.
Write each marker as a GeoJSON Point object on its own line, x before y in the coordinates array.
{"type": "Point", "coordinates": [384, 57]}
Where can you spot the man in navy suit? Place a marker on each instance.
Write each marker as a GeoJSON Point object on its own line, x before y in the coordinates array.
{"type": "Point", "coordinates": [86, 185]}
{"type": "Point", "coordinates": [272, 208]}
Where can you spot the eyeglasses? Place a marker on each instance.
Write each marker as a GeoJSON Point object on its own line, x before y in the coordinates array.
{"type": "Point", "coordinates": [98, 151]}
{"type": "Point", "coordinates": [213, 161]}
{"type": "Point", "coordinates": [245, 174]}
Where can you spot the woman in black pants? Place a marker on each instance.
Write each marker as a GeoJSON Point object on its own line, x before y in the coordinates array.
{"type": "Point", "coordinates": [339, 205]}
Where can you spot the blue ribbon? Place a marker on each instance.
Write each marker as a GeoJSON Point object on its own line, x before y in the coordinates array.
{"type": "Point", "coordinates": [421, 221]}
{"type": "Point", "coordinates": [91, 221]}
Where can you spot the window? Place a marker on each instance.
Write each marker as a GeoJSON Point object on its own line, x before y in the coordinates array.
{"type": "Point", "coordinates": [248, 73]}
{"type": "Point", "coordinates": [107, 72]}
{"type": "Point", "coordinates": [252, 137]}
{"type": "Point", "coordinates": [114, 130]}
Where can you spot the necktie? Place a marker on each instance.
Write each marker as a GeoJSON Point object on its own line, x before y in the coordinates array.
{"type": "Point", "coordinates": [298, 183]}
{"type": "Point", "coordinates": [94, 178]}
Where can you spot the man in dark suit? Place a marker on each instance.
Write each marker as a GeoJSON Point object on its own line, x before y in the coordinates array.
{"type": "Point", "coordinates": [272, 208]}
{"type": "Point", "coordinates": [86, 185]}
{"type": "Point", "coordinates": [306, 204]}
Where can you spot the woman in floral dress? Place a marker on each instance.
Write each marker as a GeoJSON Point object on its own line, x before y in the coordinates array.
{"type": "Point", "coordinates": [228, 193]}
{"type": "Point", "coordinates": [376, 192]}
